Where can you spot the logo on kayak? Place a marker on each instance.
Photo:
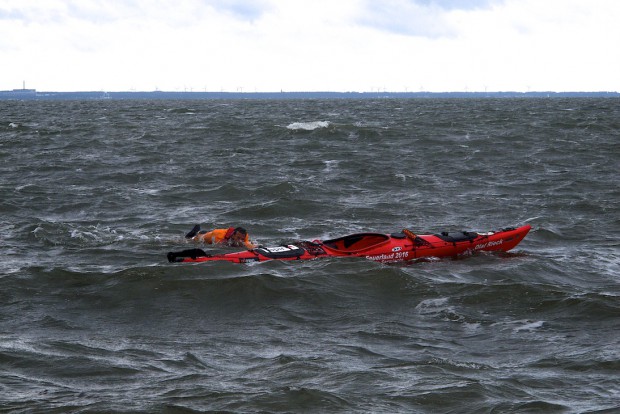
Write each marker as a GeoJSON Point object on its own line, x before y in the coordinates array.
{"type": "Point", "coordinates": [280, 249]}
{"type": "Point", "coordinates": [397, 249]}
{"type": "Point", "coordinates": [390, 257]}
{"type": "Point", "coordinates": [488, 244]}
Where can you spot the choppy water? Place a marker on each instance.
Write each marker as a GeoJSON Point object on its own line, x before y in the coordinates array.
{"type": "Point", "coordinates": [94, 193]}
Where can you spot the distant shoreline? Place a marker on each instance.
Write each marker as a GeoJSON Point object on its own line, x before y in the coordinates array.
{"type": "Point", "coordinates": [32, 94]}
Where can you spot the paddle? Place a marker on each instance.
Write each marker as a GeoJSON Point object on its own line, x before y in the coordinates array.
{"type": "Point", "coordinates": [410, 234]}
{"type": "Point", "coordinates": [414, 238]}
{"type": "Point", "coordinates": [191, 253]}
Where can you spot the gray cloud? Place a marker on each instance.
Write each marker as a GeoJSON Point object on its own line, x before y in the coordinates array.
{"type": "Point", "coordinates": [455, 4]}
{"type": "Point", "coordinates": [246, 10]}
{"type": "Point", "coordinates": [424, 18]}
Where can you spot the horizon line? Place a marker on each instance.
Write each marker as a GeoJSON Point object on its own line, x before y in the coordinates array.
{"type": "Point", "coordinates": [302, 91]}
{"type": "Point", "coordinates": [33, 94]}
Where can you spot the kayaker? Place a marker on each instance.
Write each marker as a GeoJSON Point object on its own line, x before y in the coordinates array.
{"type": "Point", "coordinates": [232, 236]}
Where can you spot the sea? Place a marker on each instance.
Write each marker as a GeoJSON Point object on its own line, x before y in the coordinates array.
{"type": "Point", "coordinates": [94, 319]}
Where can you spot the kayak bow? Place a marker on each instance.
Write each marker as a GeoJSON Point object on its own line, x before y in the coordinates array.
{"type": "Point", "coordinates": [379, 247]}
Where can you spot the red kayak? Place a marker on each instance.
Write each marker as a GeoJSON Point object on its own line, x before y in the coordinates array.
{"type": "Point", "coordinates": [379, 247]}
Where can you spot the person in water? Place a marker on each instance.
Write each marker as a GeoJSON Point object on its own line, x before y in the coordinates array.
{"type": "Point", "coordinates": [232, 236]}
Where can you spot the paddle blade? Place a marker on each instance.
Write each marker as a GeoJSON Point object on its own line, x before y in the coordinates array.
{"type": "Point", "coordinates": [191, 253]}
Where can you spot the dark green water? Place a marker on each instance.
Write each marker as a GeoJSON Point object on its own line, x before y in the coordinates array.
{"type": "Point", "coordinates": [94, 193]}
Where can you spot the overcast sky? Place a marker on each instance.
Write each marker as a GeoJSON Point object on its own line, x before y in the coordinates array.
{"type": "Point", "coordinates": [310, 45]}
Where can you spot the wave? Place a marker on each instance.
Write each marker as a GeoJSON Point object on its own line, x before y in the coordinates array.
{"type": "Point", "coordinates": [308, 126]}
{"type": "Point", "coordinates": [104, 191]}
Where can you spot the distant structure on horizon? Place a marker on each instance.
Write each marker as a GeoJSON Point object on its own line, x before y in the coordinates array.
{"type": "Point", "coordinates": [23, 89]}
{"type": "Point", "coordinates": [32, 94]}
{"type": "Point", "coordinates": [22, 93]}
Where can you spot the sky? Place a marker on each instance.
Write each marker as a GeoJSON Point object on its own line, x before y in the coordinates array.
{"type": "Point", "coordinates": [310, 45]}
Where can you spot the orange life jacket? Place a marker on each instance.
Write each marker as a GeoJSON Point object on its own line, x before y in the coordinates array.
{"type": "Point", "coordinates": [223, 236]}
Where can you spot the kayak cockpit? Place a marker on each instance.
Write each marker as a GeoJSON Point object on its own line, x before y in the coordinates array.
{"type": "Point", "coordinates": [356, 242]}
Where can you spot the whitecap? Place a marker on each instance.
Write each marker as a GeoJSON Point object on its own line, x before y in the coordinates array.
{"type": "Point", "coordinates": [529, 326]}
{"type": "Point", "coordinates": [308, 126]}
{"type": "Point", "coordinates": [330, 164]}
{"type": "Point", "coordinates": [432, 305]}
